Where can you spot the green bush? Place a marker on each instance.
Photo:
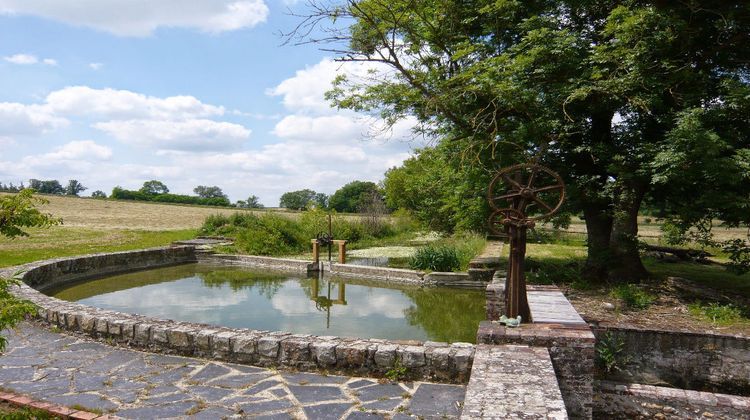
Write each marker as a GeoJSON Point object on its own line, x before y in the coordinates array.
{"type": "Point", "coordinates": [435, 258]}
{"type": "Point", "coordinates": [633, 297]}
{"type": "Point", "coordinates": [717, 313]}
{"type": "Point", "coordinates": [12, 309]}
{"type": "Point", "coordinates": [272, 234]}
{"type": "Point", "coordinates": [609, 352]}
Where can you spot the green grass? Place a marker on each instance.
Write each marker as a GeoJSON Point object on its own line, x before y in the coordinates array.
{"type": "Point", "coordinates": [632, 296]}
{"type": "Point", "coordinates": [712, 275]}
{"type": "Point", "coordinates": [64, 241]}
{"type": "Point", "coordinates": [717, 313]}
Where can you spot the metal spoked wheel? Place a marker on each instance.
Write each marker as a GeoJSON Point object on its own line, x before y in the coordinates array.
{"type": "Point", "coordinates": [533, 190]}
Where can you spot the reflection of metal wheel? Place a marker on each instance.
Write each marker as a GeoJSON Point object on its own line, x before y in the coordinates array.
{"type": "Point", "coordinates": [324, 239]}
{"type": "Point", "coordinates": [534, 190]}
{"type": "Point", "coordinates": [501, 219]}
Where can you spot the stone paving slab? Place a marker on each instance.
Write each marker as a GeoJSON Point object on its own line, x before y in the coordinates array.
{"type": "Point", "coordinates": [513, 382]}
{"type": "Point", "coordinates": [552, 307]}
{"type": "Point", "coordinates": [81, 372]}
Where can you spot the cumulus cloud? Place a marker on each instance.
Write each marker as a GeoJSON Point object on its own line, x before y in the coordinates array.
{"type": "Point", "coordinates": [19, 119]}
{"type": "Point", "coordinates": [95, 66]}
{"type": "Point", "coordinates": [81, 149]}
{"type": "Point", "coordinates": [28, 59]}
{"type": "Point", "coordinates": [305, 91]}
{"type": "Point", "coordinates": [194, 134]}
{"type": "Point", "coordinates": [75, 155]}
{"type": "Point", "coordinates": [124, 104]}
{"type": "Point", "coordinates": [22, 59]}
{"type": "Point", "coordinates": [141, 18]}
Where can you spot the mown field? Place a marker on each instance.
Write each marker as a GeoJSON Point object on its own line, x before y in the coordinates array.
{"type": "Point", "coordinates": [91, 225]}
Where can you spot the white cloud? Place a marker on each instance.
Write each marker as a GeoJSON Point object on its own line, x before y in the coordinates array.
{"type": "Point", "coordinates": [22, 59]}
{"type": "Point", "coordinates": [331, 128]}
{"type": "Point", "coordinates": [142, 17]}
{"type": "Point", "coordinates": [124, 104]}
{"type": "Point", "coordinates": [305, 91]}
{"type": "Point", "coordinates": [28, 59]}
{"type": "Point", "coordinates": [19, 119]}
{"type": "Point", "coordinates": [195, 134]}
{"type": "Point", "coordinates": [96, 66]}
{"type": "Point", "coordinates": [81, 149]}
{"type": "Point", "coordinates": [73, 156]}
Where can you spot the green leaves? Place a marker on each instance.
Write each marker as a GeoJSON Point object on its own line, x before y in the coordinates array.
{"type": "Point", "coordinates": [19, 211]}
{"type": "Point", "coordinates": [12, 309]}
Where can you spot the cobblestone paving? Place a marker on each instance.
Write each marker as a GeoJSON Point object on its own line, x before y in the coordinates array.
{"type": "Point", "coordinates": [73, 371]}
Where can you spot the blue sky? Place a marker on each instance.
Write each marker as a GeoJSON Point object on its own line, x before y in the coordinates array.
{"type": "Point", "coordinates": [118, 92]}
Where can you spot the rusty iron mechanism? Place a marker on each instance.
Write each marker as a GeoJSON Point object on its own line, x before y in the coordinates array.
{"type": "Point", "coordinates": [326, 238]}
{"type": "Point", "coordinates": [520, 195]}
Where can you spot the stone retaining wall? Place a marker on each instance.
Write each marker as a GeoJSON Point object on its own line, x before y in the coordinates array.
{"type": "Point", "coordinates": [43, 275]}
{"type": "Point", "coordinates": [614, 400]}
{"type": "Point", "coordinates": [423, 361]}
{"type": "Point", "coordinates": [286, 264]}
{"type": "Point", "coordinates": [688, 360]}
{"type": "Point", "coordinates": [571, 349]}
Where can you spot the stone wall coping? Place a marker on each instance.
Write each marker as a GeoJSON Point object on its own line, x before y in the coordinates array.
{"type": "Point", "coordinates": [604, 326]}
{"type": "Point", "coordinates": [434, 361]}
{"type": "Point", "coordinates": [649, 400]}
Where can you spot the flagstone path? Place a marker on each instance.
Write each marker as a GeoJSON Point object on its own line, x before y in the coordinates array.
{"type": "Point", "coordinates": [84, 373]}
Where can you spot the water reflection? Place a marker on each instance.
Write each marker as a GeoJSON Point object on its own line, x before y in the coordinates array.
{"type": "Point", "coordinates": [241, 298]}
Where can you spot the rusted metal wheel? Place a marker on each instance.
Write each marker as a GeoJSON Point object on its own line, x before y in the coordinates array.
{"type": "Point", "coordinates": [501, 219]}
{"type": "Point", "coordinates": [533, 190]}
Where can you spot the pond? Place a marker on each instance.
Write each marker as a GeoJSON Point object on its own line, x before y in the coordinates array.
{"type": "Point", "coordinates": [239, 297]}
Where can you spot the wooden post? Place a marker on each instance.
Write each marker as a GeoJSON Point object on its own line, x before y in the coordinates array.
{"type": "Point", "coordinates": [316, 251]}
{"type": "Point", "coordinates": [342, 250]}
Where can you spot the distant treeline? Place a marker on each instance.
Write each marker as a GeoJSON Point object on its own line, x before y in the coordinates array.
{"type": "Point", "coordinates": [119, 193]}
{"type": "Point", "coordinates": [52, 186]}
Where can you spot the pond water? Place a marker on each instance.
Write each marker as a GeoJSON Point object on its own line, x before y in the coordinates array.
{"type": "Point", "coordinates": [266, 300]}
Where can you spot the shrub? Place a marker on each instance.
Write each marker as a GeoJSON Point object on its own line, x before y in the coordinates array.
{"type": "Point", "coordinates": [435, 258]}
{"type": "Point", "coordinates": [12, 309]}
{"type": "Point", "coordinates": [215, 224]}
{"type": "Point", "coordinates": [717, 313]}
{"type": "Point", "coordinates": [633, 297]}
{"type": "Point", "coordinates": [609, 351]}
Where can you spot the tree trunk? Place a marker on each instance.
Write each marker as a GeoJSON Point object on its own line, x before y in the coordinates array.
{"type": "Point", "coordinates": [626, 265]}
{"type": "Point", "coordinates": [599, 230]}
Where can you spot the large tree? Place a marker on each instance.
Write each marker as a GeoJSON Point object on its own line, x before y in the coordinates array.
{"type": "Point", "coordinates": [300, 199]}
{"type": "Point", "coordinates": [628, 100]}
{"type": "Point", "coordinates": [352, 197]}
{"type": "Point", "coordinates": [204, 191]}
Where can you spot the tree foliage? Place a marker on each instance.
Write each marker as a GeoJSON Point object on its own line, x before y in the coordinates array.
{"type": "Point", "coordinates": [628, 100]}
{"type": "Point", "coordinates": [52, 186]}
{"type": "Point", "coordinates": [252, 202]}
{"type": "Point", "coordinates": [98, 194]}
{"type": "Point", "coordinates": [16, 213]}
{"type": "Point", "coordinates": [154, 187]}
{"type": "Point", "coordinates": [74, 187]}
{"type": "Point", "coordinates": [19, 211]}
{"type": "Point", "coordinates": [204, 191]}
{"type": "Point", "coordinates": [353, 196]}
{"type": "Point", "coordinates": [301, 199]}
{"type": "Point", "coordinates": [119, 193]}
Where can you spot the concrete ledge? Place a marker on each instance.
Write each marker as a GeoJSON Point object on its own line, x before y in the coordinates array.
{"type": "Point", "coordinates": [513, 382]}
{"type": "Point", "coordinates": [373, 357]}
{"type": "Point", "coordinates": [616, 400]}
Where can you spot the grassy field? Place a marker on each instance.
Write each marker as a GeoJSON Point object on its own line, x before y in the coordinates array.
{"type": "Point", "coordinates": [649, 230]}
{"type": "Point", "coordinates": [91, 226]}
